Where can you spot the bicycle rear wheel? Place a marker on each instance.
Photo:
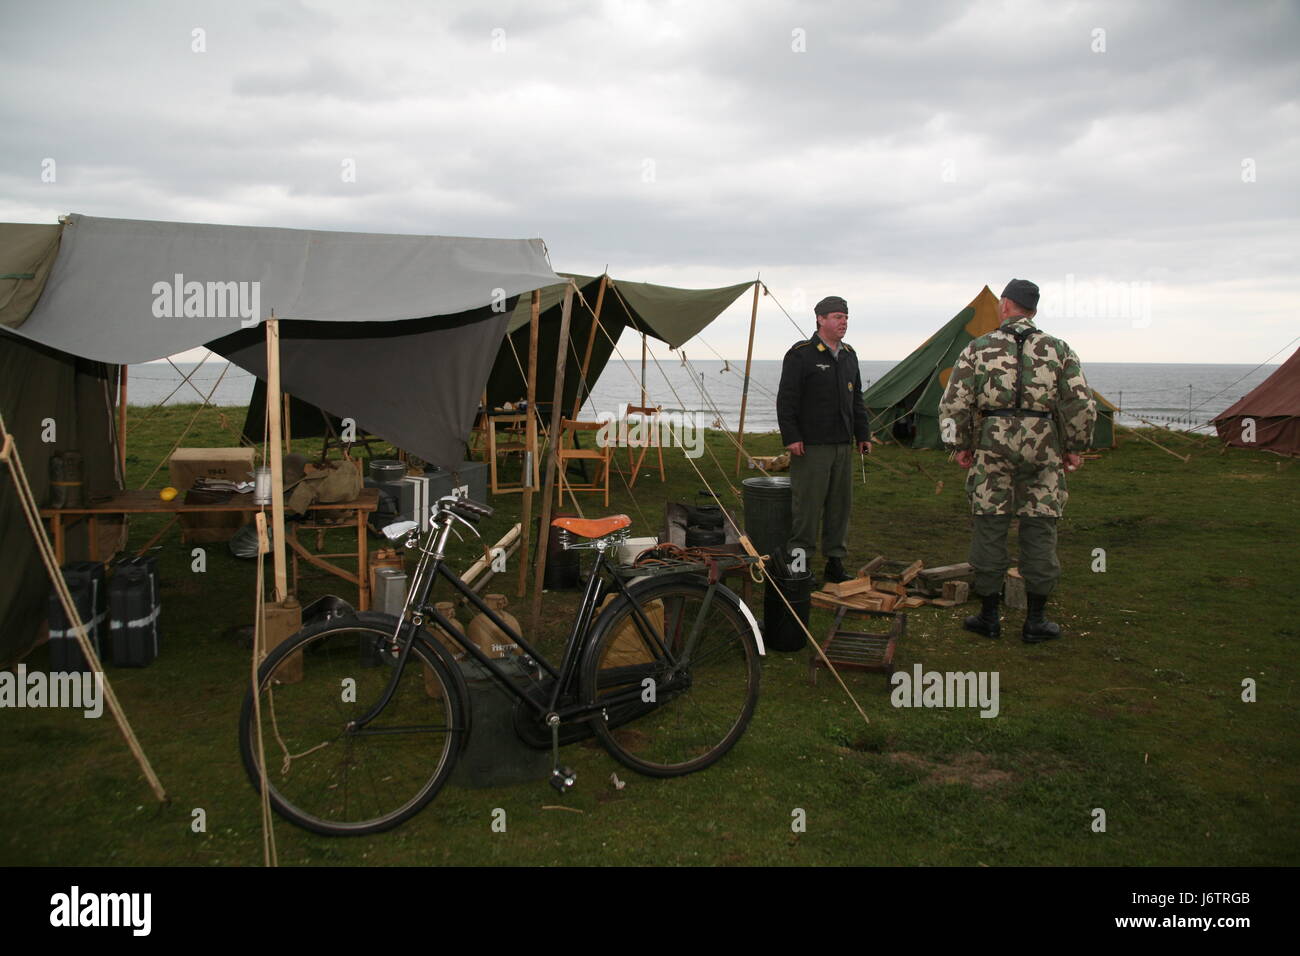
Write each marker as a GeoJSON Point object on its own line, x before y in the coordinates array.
{"type": "Point", "coordinates": [704, 683]}
{"type": "Point", "coordinates": [327, 778]}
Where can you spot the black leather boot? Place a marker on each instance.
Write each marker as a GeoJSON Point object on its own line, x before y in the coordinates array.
{"type": "Point", "coordinates": [1037, 627]}
{"type": "Point", "coordinates": [986, 622]}
{"type": "Point", "coordinates": [835, 571]}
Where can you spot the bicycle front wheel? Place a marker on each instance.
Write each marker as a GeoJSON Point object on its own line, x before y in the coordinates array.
{"type": "Point", "coordinates": [678, 683]}
{"type": "Point", "coordinates": [329, 777]}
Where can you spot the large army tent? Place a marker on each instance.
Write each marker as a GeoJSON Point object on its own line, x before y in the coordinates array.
{"type": "Point", "coordinates": [398, 332]}
{"type": "Point", "coordinates": [1273, 406]}
{"type": "Point", "coordinates": [669, 314]}
{"type": "Point", "coordinates": [903, 404]}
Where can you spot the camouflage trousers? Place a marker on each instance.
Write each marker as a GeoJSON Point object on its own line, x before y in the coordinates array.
{"type": "Point", "coordinates": [990, 557]}
{"type": "Point", "coordinates": [1005, 485]}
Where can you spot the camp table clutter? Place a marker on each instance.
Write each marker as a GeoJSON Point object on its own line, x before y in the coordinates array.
{"type": "Point", "coordinates": [148, 502]}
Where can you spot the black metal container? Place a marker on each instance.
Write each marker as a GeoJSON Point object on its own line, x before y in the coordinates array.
{"type": "Point", "coordinates": [769, 513]}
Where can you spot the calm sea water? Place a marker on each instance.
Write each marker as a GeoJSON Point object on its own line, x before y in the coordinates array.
{"type": "Point", "coordinates": [1176, 395]}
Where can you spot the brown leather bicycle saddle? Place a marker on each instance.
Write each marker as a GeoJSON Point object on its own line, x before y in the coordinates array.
{"type": "Point", "coordinates": [592, 527]}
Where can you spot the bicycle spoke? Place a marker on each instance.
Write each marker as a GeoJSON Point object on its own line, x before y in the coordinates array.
{"type": "Point", "coordinates": [698, 714]}
{"type": "Point", "coordinates": [341, 781]}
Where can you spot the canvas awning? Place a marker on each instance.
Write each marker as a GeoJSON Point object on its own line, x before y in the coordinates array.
{"type": "Point", "coordinates": [669, 314]}
{"type": "Point", "coordinates": [397, 332]}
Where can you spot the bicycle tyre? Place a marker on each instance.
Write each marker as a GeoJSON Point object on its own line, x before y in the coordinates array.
{"type": "Point", "coordinates": [698, 715]}
{"type": "Point", "coordinates": [338, 783]}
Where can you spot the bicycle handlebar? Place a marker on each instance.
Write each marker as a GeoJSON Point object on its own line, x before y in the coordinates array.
{"type": "Point", "coordinates": [465, 508]}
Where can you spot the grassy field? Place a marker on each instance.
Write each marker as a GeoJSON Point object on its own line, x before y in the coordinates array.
{"type": "Point", "coordinates": [1137, 711]}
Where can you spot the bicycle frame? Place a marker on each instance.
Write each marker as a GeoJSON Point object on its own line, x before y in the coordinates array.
{"type": "Point", "coordinates": [431, 567]}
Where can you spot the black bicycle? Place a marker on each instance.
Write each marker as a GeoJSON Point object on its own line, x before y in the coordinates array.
{"type": "Point", "coordinates": [666, 676]}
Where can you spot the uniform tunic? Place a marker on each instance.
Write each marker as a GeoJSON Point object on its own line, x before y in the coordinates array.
{"type": "Point", "coordinates": [1018, 459]}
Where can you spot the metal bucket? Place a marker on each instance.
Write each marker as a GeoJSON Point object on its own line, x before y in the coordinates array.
{"type": "Point", "coordinates": [769, 513]}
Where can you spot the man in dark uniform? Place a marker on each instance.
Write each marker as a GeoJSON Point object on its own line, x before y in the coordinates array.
{"type": "Point", "coordinates": [823, 421]}
{"type": "Point", "coordinates": [1019, 414]}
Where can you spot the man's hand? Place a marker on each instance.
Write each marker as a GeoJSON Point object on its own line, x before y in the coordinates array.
{"type": "Point", "coordinates": [965, 458]}
{"type": "Point", "coordinates": [864, 448]}
{"type": "Point", "coordinates": [1073, 461]}
{"type": "Point", "coordinates": [795, 448]}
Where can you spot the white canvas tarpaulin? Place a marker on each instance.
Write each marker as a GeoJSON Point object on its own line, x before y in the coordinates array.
{"type": "Point", "coordinates": [115, 286]}
{"type": "Point", "coordinates": [395, 332]}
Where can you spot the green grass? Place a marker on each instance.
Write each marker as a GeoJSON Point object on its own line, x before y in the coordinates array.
{"type": "Point", "coordinates": [1137, 710]}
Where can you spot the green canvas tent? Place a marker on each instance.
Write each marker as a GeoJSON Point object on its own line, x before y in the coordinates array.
{"type": "Point", "coordinates": [903, 405]}
{"type": "Point", "coordinates": [666, 313]}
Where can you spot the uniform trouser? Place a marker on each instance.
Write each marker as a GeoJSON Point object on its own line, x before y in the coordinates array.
{"type": "Point", "coordinates": [990, 558]}
{"type": "Point", "coordinates": [821, 491]}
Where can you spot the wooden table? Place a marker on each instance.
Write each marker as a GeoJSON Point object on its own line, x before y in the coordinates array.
{"type": "Point", "coordinates": [148, 502]}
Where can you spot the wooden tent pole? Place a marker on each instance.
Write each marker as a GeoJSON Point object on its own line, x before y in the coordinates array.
{"type": "Point", "coordinates": [288, 439]}
{"type": "Point", "coordinates": [121, 421]}
{"type": "Point", "coordinates": [744, 392]}
{"type": "Point", "coordinates": [553, 454]}
{"type": "Point", "coordinates": [273, 403]}
{"type": "Point", "coordinates": [530, 445]}
{"type": "Point", "coordinates": [591, 341]}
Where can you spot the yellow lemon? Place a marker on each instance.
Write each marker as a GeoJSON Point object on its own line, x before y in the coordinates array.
{"type": "Point", "coordinates": [168, 493]}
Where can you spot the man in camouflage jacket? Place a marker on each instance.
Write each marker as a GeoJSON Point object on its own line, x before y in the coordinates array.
{"type": "Point", "coordinates": [1018, 412]}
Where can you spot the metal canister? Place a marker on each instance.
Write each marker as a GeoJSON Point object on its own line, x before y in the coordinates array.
{"type": "Point", "coordinates": [262, 486]}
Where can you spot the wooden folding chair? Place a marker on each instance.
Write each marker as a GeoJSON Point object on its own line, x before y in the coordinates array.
{"type": "Point", "coordinates": [602, 456]}
{"type": "Point", "coordinates": [650, 413]}
{"type": "Point", "coordinates": [515, 426]}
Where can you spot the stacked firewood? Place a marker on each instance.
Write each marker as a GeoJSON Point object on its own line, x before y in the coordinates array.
{"type": "Point", "coordinates": [895, 586]}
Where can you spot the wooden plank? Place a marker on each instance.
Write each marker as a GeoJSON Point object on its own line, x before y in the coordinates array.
{"type": "Point", "coordinates": [1015, 590]}
{"type": "Point", "coordinates": [846, 588]}
{"type": "Point", "coordinates": [887, 600]}
{"type": "Point", "coordinates": [942, 602]}
{"type": "Point", "coordinates": [946, 572]}
{"type": "Point", "coordinates": [956, 591]}
{"type": "Point", "coordinates": [871, 565]}
{"type": "Point", "coordinates": [911, 602]}
{"type": "Point", "coordinates": [911, 571]}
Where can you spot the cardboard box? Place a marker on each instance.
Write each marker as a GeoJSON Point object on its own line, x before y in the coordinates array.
{"type": "Point", "coordinates": [232, 464]}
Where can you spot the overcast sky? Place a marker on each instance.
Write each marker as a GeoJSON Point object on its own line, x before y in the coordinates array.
{"type": "Point", "coordinates": [902, 155]}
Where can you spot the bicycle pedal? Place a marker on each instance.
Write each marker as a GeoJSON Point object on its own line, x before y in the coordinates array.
{"type": "Point", "coordinates": [563, 779]}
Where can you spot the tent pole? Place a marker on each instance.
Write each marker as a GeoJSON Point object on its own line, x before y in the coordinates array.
{"type": "Point", "coordinates": [288, 439]}
{"type": "Point", "coordinates": [553, 453]}
{"type": "Point", "coordinates": [591, 341]}
{"type": "Point", "coordinates": [529, 467]}
{"type": "Point", "coordinates": [121, 420]}
{"type": "Point", "coordinates": [643, 370]}
{"type": "Point", "coordinates": [277, 458]}
{"type": "Point", "coordinates": [744, 392]}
